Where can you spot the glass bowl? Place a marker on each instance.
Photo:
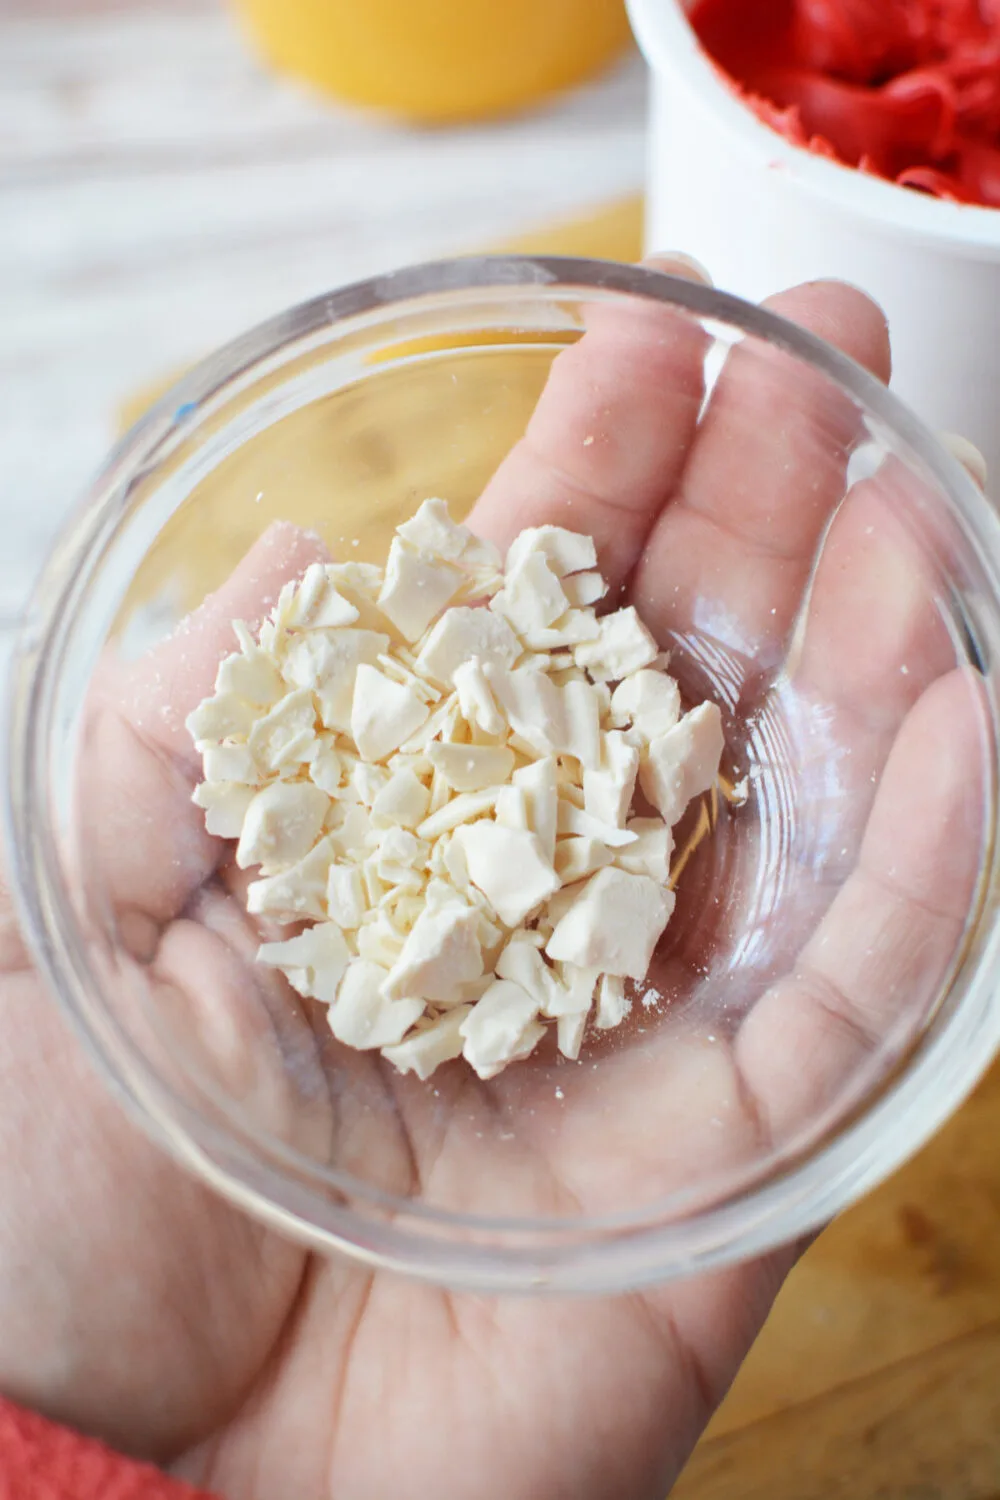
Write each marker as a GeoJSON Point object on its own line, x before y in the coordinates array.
{"type": "Point", "coordinates": [825, 993]}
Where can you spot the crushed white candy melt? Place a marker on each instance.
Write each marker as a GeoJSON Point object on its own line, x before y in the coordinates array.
{"type": "Point", "coordinates": [574, 990]}
{"type": "Point", "coordinates": [470, 768]}
{"type": "Point", "coordinates": [608, 788]}
{"type": "Point", "coordinates": [584, 588]}
{"type": "Point", "coordinates": [613, 1005]}
{"type": "Point", "coordinates": [475, 699]}
{"type": "Point", "coordinates": [614, 924]}
{"type": "Point", "coordinates": [511, 808]}
{"type": "Point", "coordinates": [298, 892]}
{"type": "Point", "coordinates": [441, 954]}
{"type": "Point", "coordinates": [537, 783]}
{"type": "Point", "coordinates": [433, 531]}
{"type": "Point", "coordinates": [313, 963]}
{"type": "Point", "coordinates": [648, 701]}
{"type": "Point", "coordinates": [624, 645]}
{"type": "Point", "coordinates": [462, 633]}
{"type": "Point", "coordinates": [445, 791]}
{"type": "Point", "coordinates": [345, 895]}
{"type": "Point", "coordinates": [225, 806]}
{"type": "Point", "coordinates": [462, 808]}
{"type": "Point", "coordinates": [403, 799]}
{"type": "Point", "coordinates": [253, 676]}
{"type": "Point", "coordinates": [416, 589]}
{"type": "Point", "coordinates": [532, 704]}
{"type": "Point", "coordinates": [378, 940]}
{"type": "Point", "coordinates": [521, 961]}
{"type": "Point", "coordinates": [383, 714]}
{"type": "Point", "coordinates": [223, 717]}
{"type": "Point", "coordinates": [501, 1028]}
{"type": "Point", "coordinates": [577, 820]}
{"type": "Point", "coordinates": [569, 1034]}
{"type": "Point", "coordinates": [358, 578]}
{"type": "Point", "coordinates": [565, 551]}
{"type": "Point", "coordinates": [651, 851]}
{"type": "Point", "coordinates": [431, 1044]}
{"type": "Point", "coordinates": [317, 603]}
{"type": "Point", "coordinates": [361, 1016]}
{"type": "Point", "coordinates": [230, 763]}
{"type": "Point", "coordinates": [509, 867]}
{"type": "Point", "coordinates": [684, 762]}
{"type": "Point", "coordinates": [326, 662]}
{"type": "Point", "coordinates": [281, 824]}
{"type": "Point", "coordinates": [581, 717]}
{"type": "Point", "coordinates": [532, 597]}
{"type": "Point", "coordinates": [283, 734]}
{"type": "Point", "coordinates": [576, 858]}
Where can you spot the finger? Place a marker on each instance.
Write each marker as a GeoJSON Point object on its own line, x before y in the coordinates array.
{"type": "Point", "coordinates": [877, 629]}
{"type": "Point", "coordinates": [238, 1021]}
{"type": "Point", "coordinates": [868, 978]}
{"type": "Point", "coordinates": [766, 469]}
{"type": "Point", "coordinates": [609, 436]}
{"type": "Point", "coordinates": [13, 949]}
{"type": "Point", "coordinates": [156, 693]}
{"type": "Point", "coordinates": [877, 633]}
{"type": "Point", "coordinates": [145, 843]}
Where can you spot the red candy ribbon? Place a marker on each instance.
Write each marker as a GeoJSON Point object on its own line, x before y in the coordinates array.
{"type": "Point", "coordinates": [908, 89]}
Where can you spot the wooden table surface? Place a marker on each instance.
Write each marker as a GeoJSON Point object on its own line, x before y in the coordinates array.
{"type": "Point", "coordinates": [878, 1374]}
{"type": "Point", "coordinates": [157, 193]}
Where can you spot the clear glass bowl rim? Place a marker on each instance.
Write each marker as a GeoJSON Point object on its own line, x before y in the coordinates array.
{"type": "Point", "coordinates": [797, 1194]}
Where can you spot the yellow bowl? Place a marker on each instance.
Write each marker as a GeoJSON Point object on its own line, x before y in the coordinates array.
{"type": "Point", "coordinates": [436, 60]}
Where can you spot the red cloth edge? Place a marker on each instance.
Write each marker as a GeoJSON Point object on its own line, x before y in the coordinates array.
{"type": "Point", "coordinates": [40, 1460]}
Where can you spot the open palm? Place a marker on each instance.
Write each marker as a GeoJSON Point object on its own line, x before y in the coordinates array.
{"type": "Point", "coordinates": [136, 1305]}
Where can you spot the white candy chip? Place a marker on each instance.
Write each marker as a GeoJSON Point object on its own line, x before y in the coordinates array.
{"type": "Point", "coordinates": [434, 765]}
{"type": "Point", "coordinates": [429, 1045]}
{"type": "Point", "coordinates": [225, 805]}
{"type": "Point", "coordinates": [318, 604]}
{"type": "Point", "coordinates": [440, 956]}
{"type": "Point", "coordinates": [416, 589]}
{"type": "Point", "coordinates": [362, 1017]}
{"type": "Point", "coordinates": [313, 963]}
{"type": "Point", "coordinates": [623, 646]}
{"type": "Point", "coordinates": [501, 1028]}
{"type": "Point", "coordinates": [471, 768]}
{"type": "Point", "coordinates": [384, 713]}
{"type": "Point", "coordinates": [647, 701]}
{"type": "Point", "coordinates": [509, 867]}
{"type": "Point", "coordinates": [683, 763]}
{"type": "Point", "coordinates": [614, 924]}
{"type": "Point", "coordinates": [532, 596]}
{"type": "Point", "coordinates": [462, 634]}
{"type": "Point", "coordinates": [281, 824]}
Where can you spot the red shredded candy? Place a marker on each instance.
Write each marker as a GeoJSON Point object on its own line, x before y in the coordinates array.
{"type": "Point", "coordinates": [906, 89]}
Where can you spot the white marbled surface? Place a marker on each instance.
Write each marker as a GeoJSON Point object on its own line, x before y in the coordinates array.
{"type": "Point", "coordinates": [159, 192]}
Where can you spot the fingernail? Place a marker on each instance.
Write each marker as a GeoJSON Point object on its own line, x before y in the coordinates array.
{"type": "Point", "coordinates": [968, 456]}
{"type": "Point", "coordinates": [676, 263]}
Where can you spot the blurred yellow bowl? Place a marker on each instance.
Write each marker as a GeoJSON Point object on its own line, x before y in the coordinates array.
{"type": "Point", "coordinates": [614, 231]}
{"type": "Point", "coordinates": [437, 60]}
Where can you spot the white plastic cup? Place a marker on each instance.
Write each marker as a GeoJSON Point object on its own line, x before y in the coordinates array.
{"type": "Point", "coordinates": [762, 214]}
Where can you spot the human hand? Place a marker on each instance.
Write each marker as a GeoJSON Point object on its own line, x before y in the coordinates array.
{"type": "Point", "coordinates": [135, 1304]}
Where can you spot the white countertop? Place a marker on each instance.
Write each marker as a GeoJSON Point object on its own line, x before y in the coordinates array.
{"type": "Point", "coordinates": [159, 192]}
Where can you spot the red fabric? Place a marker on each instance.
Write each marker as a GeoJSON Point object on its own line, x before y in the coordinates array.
{"type": "Point", "coordinates": [40, 1461]}
{"type": "Point", "coordinates": [908, 89]}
